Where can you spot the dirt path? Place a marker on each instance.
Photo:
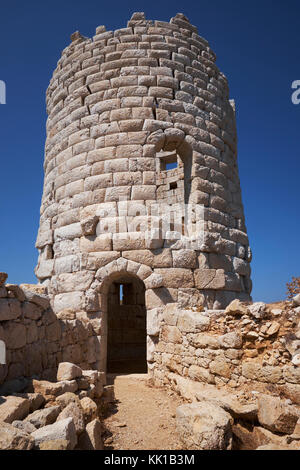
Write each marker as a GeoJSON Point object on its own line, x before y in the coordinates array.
{"type": "Point", "coordinates": [142, 418]}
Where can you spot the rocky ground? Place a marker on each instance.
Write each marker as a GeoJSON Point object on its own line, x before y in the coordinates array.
{"type": "Point", "coordinates": [142, 417]}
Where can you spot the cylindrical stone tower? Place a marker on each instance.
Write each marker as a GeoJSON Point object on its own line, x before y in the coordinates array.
{"type": "Point", "coordinates": [142, 202]}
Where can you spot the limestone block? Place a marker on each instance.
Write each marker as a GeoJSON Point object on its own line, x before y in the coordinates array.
{"type": "Point", "coordinates": [68, 232]}
{"type": "Point", "coordinates": [188, 298]}
{"type": "Point", "coordinates": [184, 259]}
{"type": "Point", "coordinates": [25, 426]}
{"type": "Point", "coordinates": [154, 281]}
{"type": "Point", "coordinates": [102, 242]}
{"type": "Point", "coordinates": [192, 322]}
{"type": "Point", "coordinates": [40, 418]}
{"type": "Point", "coordinates": [69, 282]}
{"type": "Point", "coordinates": [70, 300]}
{"type": "Point", "coordinates": [10, 309]}
{"type": "Point", "coordinates": [74, 411]}
{"type": "Point", "coordinates": [89, 225]}
{"type": "Point", "coordinates": [12, 438]}
{"type": "Point", "coordinates": [3, 277]}
{"type": "Point", "coordinates": [55, 389]}
{"type": "Point", "coordinates": [276, 416]}
{"type": "Point", "coordinates": [154, 318]}
{"type": "Point", "coordinates": [160, 297]}
{"type": "Point", "coordinates": [61, 430]}
{"type": "Point", "coordinates": [220, 367]}
{"type": "Point", "coordinates": [15, 334]}
{"type": "Point", "coordinates": [90, 409]}
{"type": "Point", "coordinates": [203, 340]}
{"type": "Point", "coordinates": [91, 438]}
{"type": "Point", "coordinates": [144, 193]}
{"type": "Point", "coordinates": [128, 241]}
{"type": "Point", "coordinates": [232, 340]}
{"type": "Point", "coordinates": [151, 348]}
{"type": "Point", "coordinates": [209, 279]}
{"type": "Point", "coordinates": [67, 264]}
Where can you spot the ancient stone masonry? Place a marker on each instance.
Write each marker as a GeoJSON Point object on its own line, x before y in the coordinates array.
{"type": "Point", "coordinates": [141, 178]}
{"type": "Point", "coordinates": [36, 340]}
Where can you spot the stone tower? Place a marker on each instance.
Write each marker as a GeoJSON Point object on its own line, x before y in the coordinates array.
{"type": "Point", "coordinates": [142, 202]}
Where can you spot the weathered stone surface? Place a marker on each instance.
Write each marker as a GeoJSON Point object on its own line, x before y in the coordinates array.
{"type": "Point", "coordinates": [296, 300]}
{"type": "Point", "coordinates": [258, 310]}
{"type": "Point", "coordinates": [61, 430]}
{"type": "Point", "coordinates": [13, 408]}
{"type": "Point", "coordinates": [192, 322]}
{"type": "Point", "coordinates": [43, 417]}
{"type": "Point", "coordinates": [3, 277]}
{"type": "Point", "coordinates": [68, 371]}
{"type": "Point", "coordinates": [236, 307]}
{"type": "Point", "coordinates": [36, 400]}
{"type": "Point", "coordinates": [231, 341]}
{"type": "Point", "coordinates": [12, 438]}
{"type": "Point", "coordinates": [204, 426]}
{"type": "Point", "coordinates": [50, 388]}
{"type": "Point", "coordinates": [73, 410]}
{"type": "Point", "coordinates": [66, 398]}
{"type": "Point", "coordinates": [91, 438]}
{"type": "Point", "coordinates": [90, 409]}
{"type": "Point", "coordinates": [25, 426]}
{"type": "Point", "coordinates": [276, 416]}
{"type": "Point", "coordinates": [55, 444]}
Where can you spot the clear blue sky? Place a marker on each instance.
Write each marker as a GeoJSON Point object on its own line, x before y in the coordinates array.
{"type": "Point", "coordinates": [257, 45]}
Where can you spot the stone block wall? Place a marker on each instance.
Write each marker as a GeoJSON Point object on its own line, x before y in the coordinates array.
{"type": "Point", "coordinates": [37, 340]}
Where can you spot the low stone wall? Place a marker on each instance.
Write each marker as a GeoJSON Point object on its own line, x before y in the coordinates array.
{"type": "Point", "coordinates": [252, 347]}
{"type": "Point", "coordinates": [37, 340]}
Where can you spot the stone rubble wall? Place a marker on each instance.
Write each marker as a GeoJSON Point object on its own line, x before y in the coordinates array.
{"type": "Point", "coordinates": [247, 346]}
{"type": "Point", "coordinates": [37, 340]}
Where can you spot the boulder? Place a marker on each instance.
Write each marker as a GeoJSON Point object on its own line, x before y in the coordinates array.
{"type": "Point", "coordinates": [55, 444]}
{"type": "Point", "coordinates": [12, 438]}
{"type": "Point", "coordinates": [54, 389]}
{"type": "Point", "coordinates": [258, 310]}
{"type": "Point", "coordinates": [73, 410]}
{"type": "Point", "coordinates": [66, 398]}
{"type": "Point", "coordinates": [249, 437]}
{"type": "Point", "coordinates": [3, 277]}
{"type": "Point", "coordinates": [236, 307]}
{"type": "Point", "coordinates": [24, 426]}
{"type": "Point", "coordinates": [204, 426]}
{"type": "Point", "coordinates": [275, 415]}
{"type": "Point", "coordinates": [43, 417]}
{"type": "Point", "coordinates": [91, 438]}
{"type": "Point", "coordinates": [61, 430]}
{"type": "Point", "coordinates": [90, 409]}
{"type": "Point", "coordinates": [13, 408]}
{"type": "Point", "coordinates": [68, 371]}
{"type": "Point", "coordinates": [296, 299]}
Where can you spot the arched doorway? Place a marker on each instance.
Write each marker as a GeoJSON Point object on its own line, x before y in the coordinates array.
{"type": "Point", "coordinates": [126, 325]}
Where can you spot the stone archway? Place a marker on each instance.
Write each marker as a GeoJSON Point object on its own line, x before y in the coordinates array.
{"type": "Point", "coordinates": [140, 280]}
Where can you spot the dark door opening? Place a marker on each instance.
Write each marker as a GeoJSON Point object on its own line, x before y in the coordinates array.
{"type": "Point", "coordinates": [126, 333]}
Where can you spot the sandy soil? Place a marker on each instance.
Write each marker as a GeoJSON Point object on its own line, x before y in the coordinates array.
{"type": "Point", "coordinates": [142, 417]}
